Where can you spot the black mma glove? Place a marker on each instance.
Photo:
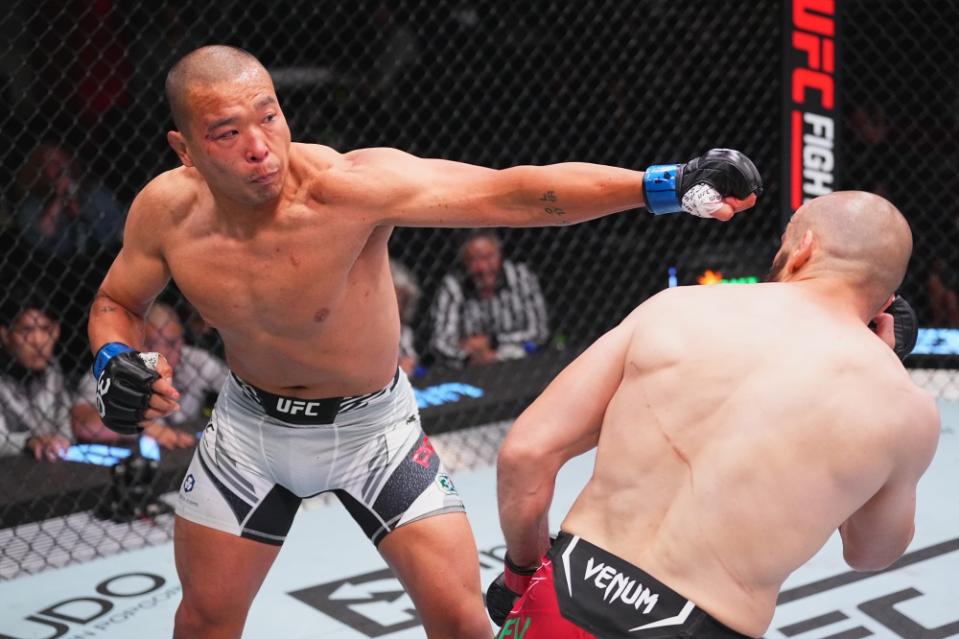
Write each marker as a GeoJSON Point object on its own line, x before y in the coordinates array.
{"type": "Point", "coordinates": [670, 188]}
{"type": "Point", "coordinates": [124, 385]}
{"type": "Point", "coordinates": [904, 325]}
{"type": "Point", "coordinates": [506, 589]}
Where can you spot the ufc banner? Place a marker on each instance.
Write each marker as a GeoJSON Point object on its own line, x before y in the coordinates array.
{"type": "Point", "coordinates": [810, 101]}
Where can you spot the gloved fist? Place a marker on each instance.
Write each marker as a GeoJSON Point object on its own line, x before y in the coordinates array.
{"type": "Point", "coordinates": [905, 326]}
{"type": "Point", "coordinates": [899, 328]}
{"type": "Point", "coordinates": [506, 590]}
{"type": "Point", "coordinates": [124, 387]}
{"type": "Point", "coordinates": [702, 185]}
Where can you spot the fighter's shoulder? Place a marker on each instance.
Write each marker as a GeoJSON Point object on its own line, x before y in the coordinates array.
{"type": "Point", "coordinates": [914, 403]}
{"type": "Point", "coordinates": [374, 156]}
{"type": "Point", "coordinates": [647, 317]}
{"type": "Point", "coordinates": [325, 171]}
{"type": "Point", "coordinates": [888, 390]}
{"type": "Point", "coordinates": [167, 197]}
{"type": "Point", "coordinates": [912, 422]}
{"type": "Point", "coordinates": [352, 176]}
{"type": "Point", "coordinates": [669, 300]}
{"type": "Point", "coordinates": [316, 157]}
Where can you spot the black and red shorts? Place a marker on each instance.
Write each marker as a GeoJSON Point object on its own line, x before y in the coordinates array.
{"type": "Point", "coordinates": [584, 592]}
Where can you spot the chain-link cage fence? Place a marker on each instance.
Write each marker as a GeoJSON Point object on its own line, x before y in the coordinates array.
{"type": "Point", "coordinates": [495, 84]}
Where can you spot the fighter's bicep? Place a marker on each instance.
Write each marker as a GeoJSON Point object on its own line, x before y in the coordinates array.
{"type": "Point", "coordinates": [139, 272]}
{"type": "Point", "coordinates": [400, 189]}
{"type": "Point", "coordinates": [135, 278]}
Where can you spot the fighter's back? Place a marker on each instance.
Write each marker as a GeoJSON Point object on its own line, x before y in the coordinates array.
{"type": "Point", "coordinates": [750, 423]}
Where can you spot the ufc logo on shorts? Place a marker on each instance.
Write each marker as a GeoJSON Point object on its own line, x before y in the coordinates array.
{"type": "Point", "coordinates": [296, 406]}
{"type": "Point", "coordinates": [103, 387]}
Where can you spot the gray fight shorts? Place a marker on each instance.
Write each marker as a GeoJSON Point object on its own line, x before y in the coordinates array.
{"type": "Point", "coordinates": [262, 453]}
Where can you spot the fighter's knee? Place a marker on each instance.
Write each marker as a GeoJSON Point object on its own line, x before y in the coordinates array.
{"type": "Point", "coordinates": [205, 622]}
{"type": "Point", "coordinates": [465, 623]}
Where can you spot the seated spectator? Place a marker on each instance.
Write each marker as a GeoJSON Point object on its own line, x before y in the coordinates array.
{"type": "Point", "coordinates": [407, 297]}
{"type": "Point", "coordinates": [493, 310]}
{"type": "Point", "coordinates": [197, 374]}
{"type": "Point", "coordinates": [61, 214]}
{"type": "Point", "coordinates": [34, 398]}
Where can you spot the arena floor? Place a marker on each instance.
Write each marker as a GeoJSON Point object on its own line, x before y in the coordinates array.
{"type": "Point", "coordinates": [330, 583]}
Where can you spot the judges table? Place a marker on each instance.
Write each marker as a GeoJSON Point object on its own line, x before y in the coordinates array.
{"type": "Point", "coordinates": [449, 400]}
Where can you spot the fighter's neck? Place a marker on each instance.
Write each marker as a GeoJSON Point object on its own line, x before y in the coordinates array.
{"type": "Point", "coordinates": [840, 295]}
{"type": "Point", "coordinates": [244, 218]}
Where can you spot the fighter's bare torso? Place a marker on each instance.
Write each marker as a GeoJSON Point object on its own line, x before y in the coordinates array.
{"type": "Point", "coordinates": [696, 476]}
{"type": "Point", "coordinates": [303, 298]}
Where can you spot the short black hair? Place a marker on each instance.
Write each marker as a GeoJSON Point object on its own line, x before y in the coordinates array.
{"type": "Point", "coordinates": [22, 298]}
{"type": "Point", "coordinates": [217, 62]}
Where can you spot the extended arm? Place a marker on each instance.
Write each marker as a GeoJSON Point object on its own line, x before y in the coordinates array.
{"type": "Point", "coordinates": [404, 190]}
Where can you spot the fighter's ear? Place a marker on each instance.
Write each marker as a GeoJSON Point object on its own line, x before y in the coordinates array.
{"type": "Point", "coordinates": [178, 143]}
{"type": "Point", "coordinates": [801, 254]}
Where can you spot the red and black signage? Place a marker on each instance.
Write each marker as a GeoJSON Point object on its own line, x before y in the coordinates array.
{"type": "Point", "coordinates": [811, 101]}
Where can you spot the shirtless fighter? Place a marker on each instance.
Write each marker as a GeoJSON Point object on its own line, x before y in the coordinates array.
{"type": "Point", "coordinates": [736, 428]}
{"type": "Point", "coordinates": [283, 248]}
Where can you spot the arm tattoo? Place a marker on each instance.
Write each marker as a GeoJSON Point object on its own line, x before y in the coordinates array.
{"type": "Point", "coordinates": [104, 305]}
{"type": "Point", "coordinates": [550, 196]}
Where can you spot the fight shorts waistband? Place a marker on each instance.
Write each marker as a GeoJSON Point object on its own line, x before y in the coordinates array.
{"type": "Point", "coordinates": [308, 412]}
{"type": "Point", "coordinates": [611, 597]}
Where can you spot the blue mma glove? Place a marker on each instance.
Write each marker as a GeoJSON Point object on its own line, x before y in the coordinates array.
{"type": "Point", "coordinates": [699, 186]}
{"type": "Point", "coordinates": [124, 385]}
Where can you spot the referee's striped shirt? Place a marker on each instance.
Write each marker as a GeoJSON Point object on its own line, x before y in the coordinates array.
{"type": "Point", "coordinates": [514, 315]}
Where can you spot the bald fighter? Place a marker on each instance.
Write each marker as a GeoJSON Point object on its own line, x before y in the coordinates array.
{"type": "Point", "coordinates": [283, 249]}
{"type": "Point", "coordinates": [736, 427]}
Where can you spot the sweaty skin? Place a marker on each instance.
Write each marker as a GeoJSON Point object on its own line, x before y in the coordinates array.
{"type": "Point", "coordinates": [722, 425]}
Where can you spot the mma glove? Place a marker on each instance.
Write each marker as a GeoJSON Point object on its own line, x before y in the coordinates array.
{"type": "Point", "coordinates": [124, 385]}
{"type": "Point", "coordinates": [905, 326]}
{"type": "Point", "coordinates": [506, 590]}
{"type": "Point", "coordinates": [699, 186]}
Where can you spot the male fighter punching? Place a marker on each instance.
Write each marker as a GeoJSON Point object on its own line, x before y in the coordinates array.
{"type": "Point", "coordinates": [737, 427]}
{"type": "Point", "coordinates": [283, 248]}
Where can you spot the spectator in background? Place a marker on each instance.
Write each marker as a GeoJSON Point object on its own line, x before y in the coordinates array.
{"type": "Point", "coordinates": [493, 310]}
{"type": "Point", "coordinates": [197, 373]}
{"type": "Point", "coordinates": [407, 297]}
{"type": "Point", "coordinates": [34, 398]}
{"type": "Point", "coordinates": [60, 213]}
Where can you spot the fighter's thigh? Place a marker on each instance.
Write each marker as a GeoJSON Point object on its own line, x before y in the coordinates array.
{"type": "Point", "coordinates": [436, 560]}
{"type": "Point", "coordinates": [220, 573]}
